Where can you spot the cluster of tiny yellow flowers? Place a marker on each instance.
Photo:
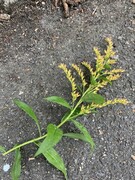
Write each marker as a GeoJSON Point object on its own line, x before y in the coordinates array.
{"type": "Point", "coordinates": [100, 85]}
{"type": "Point", "coordinates": [88, 66]}
{"type": "Point", "coordinates": [85, 109]}
{"type": "Point", "coordinates": [75, 95]}
{"type": "Point", "coordinates": [80, 73]}
{"type": "Point", "coordinates": [114, 71]}
{"type": "Point", "coordinates": [99, 78]}
{"type": "Point", "coordinates": [109, 51]}
{"type": "Point", "coordinates": [69, 76]}
{"type": "Point", "coordinates": [113, 74]}
{"type": "Point", "coordinates": [111, 102]}
{"type": "Point", "coordinates": [111, 61]}
{"type": "Point", "coordinates": [113, 77]}
{"type": "Point", "coordinates": [99, 60]}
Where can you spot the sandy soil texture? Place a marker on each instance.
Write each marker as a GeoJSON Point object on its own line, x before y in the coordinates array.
{"type": "Point", "coordinates": [34, 39]}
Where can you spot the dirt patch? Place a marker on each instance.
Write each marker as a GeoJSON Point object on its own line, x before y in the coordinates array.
{"type": "Point", "coordinates": [33, 42]}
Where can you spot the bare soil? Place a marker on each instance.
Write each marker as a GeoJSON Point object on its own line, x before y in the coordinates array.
{"type": "Point", "coordinates": [33, 42]}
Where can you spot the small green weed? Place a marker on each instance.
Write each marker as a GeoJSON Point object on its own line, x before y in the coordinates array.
{"type": "Point", "coordinates": [85, 100]}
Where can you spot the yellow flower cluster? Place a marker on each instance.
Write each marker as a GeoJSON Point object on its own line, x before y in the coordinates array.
{"type": "Point", "coordinates": [100, 85]}
{"type": "Point", "coordinates": [72, 81]}
{"type": "Point", "coordinates": [99, 78]}
{"type": "Point", "coordinates": [80, 73]}
{"type": "Point", "coordinates": [75, 95]}
{"type": "Point", "coordinates": [111, 61]}
{"type": "Point", "coordinates": [111, 102]}
{"type": "Point", "coordinates": [99, 60]}
{"type": "Point", "coordinates": [88, 66]}
{"type": "Point", "coordinates": [113, 77]}
{"type": "Point", "coordinates": [109, 51]}
{"type": "Point", "coordinates": [114, 71]}
{"type": "Point", "coordinates": [85, 109]}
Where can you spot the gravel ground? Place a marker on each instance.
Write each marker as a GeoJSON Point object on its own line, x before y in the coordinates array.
{"type": "Point", "coordinates": [33, 42]}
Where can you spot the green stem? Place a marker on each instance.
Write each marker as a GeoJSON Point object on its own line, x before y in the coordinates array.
{"type": "Point", "coordinates": [39, 130]}
{"type": "Point", "coordinates": [78, 103]}
{"type": "Point", "coordinates": [42, 137]}
{"type": "Point", "coordinates": [68, 117]}
{"type": "Point", "coordinates": [24, 144]}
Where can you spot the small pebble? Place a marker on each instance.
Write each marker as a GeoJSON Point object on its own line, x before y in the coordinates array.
{"type": "Point", "coordinates": [4, 16]}
{"type": "Point", "coordinates": [21, 92]}
{"type": "Point", "coordinates": [133, 157]}
{"type": "Point", "coordinates": [6, 167]}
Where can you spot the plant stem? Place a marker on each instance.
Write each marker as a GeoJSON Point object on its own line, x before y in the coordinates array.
{"type": "Point", "coordinates": [78, 103]}
{"type": "Point", "coordinates": [68, 117]}
{"type": "Point", "coordinates": [24, 144]}
{"type": "Point", "coordinates": [58, 126]}
{"type": "Point", "coordinates": [39, 130]}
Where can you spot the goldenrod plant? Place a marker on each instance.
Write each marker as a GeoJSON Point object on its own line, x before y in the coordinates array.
{"type": "Point", "coordinates": [86, 99]}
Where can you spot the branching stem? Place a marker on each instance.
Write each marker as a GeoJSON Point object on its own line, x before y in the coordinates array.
{"type": "Point", "coordinates": [58, 126]}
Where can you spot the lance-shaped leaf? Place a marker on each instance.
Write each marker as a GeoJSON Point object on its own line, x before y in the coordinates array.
{"type": "Point", "coordinates": [55, 159]}
{"type": "Point", "coordinates": [2, 149]}
{"type": "Point", "coordinates": [28, 110]}
{"type": "Point", "coordinates": [86, 134]}
{"type": "Point", "coordinates": [76, 136]}
{"type": "Point", "coordinates": [16, 168]}
{"type": "Point", "coordinates": [58, 100]}
{"type": "Point", "coordinates": [93, 97]}
{"type": "Point", "coordinates": [54, 135]}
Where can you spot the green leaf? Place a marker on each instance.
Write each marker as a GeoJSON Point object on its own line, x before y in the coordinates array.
{"type": "Point", "coordinates": [16, 168]}
{"type": "Point", "coordinates": [29, 111]}
{"type": "Point", "coordinates": [2, 149]}
{"type": "Point", "coordinates": [93, 97]}
{"type": "Point", "coordinates": [58, 100]}
{"type": "Point", "coordinates": [93, 81]}
{"type": "Point", "coordinates": [54, 135]}
{"type": "Point", "coordinates": [107, 66]}
{"type": "Point", "coordinates": [76, 136]}
{"type": "Point", "coordinates": [103, 77]}
{"type": "Point", "coordinates": [55, 159]}
{"type": "Point", "coordinates": [86, 134]}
